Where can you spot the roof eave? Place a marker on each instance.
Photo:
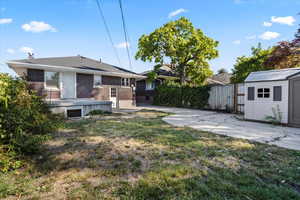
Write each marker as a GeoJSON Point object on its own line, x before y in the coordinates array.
{"type": "Point", "coordinates": [265, 81]}
{"type": "Point", "coordinates": [63, 68]}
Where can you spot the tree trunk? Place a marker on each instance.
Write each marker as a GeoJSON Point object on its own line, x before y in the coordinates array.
{"type": "Point", "coordinates": [182, 75]}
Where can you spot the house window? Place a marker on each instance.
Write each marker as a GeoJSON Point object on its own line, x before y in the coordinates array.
{"type": "Point", "coordinates": [35, 75]}
{"type": "Point", "coordinates": [97, 81]}
{"type": "Point", "coordinates": [150, 85]}
{"type": "Point", "coordinates": [125, 82]}
{"type": "Point", "coordinates": [263, 93]}
{"type": "Point", "coordinates": [113, 92]}
{"type": "Point", "coordinates": [52, 80]}
{"type": "Point", "coordinates": [74, 113]}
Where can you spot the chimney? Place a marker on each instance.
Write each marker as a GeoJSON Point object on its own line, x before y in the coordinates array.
{"type": "Point", "coordinates": [30, 55]}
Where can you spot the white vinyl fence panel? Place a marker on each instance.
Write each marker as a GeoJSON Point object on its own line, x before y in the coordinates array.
{"type": "Point", "coordinates": [222, 98]}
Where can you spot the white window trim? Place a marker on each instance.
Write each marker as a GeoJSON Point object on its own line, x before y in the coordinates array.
{"type": "Point", "coordinates": [263, 93]}
{"type": "Point", "coordinates": [97, 86]}
{"type": "Point", "coordinates": [152, 86]}
{"type": "Point", "coordinates": [52, 88]}
{"type": "Point", "coordinates": [110, 89]}
{"type": "Point", "coordinates": [127, 82]}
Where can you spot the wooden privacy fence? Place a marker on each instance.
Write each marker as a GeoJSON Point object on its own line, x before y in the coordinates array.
{"type": "Point", "coordinates": [228, 98]}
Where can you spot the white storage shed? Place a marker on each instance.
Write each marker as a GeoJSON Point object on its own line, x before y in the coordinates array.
{"type": "Point", "coordinates": [274, 93]}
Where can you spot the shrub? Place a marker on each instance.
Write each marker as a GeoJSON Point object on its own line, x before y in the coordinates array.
{"type": "Point", "coordinates": [98, 112]}
{"type": "Point", "coordinates": [25, 119]}
{"type": "Point", "coordinates": [172, 94]}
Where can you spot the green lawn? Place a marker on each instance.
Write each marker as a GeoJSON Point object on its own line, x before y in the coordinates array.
{"type": "Point", "coordinates": [138, 156]}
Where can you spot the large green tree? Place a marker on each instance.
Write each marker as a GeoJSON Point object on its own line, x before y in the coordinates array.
{"type": "Point", "coordinates": [185, 47]}
{"type": "Point", "coordinates": [255, 62]}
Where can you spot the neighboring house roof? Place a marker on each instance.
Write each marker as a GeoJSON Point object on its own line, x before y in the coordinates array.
{"type": "Point", "coordinates": [75, 62]}
{"type": "Point", "coordinates": [272, 75]}
{"type": "Point", "coordinates": [164, 71]}
{"type": "Point", "coordinates": [210, 81]}
{"type": "Point", "coordinates": [219, 79]}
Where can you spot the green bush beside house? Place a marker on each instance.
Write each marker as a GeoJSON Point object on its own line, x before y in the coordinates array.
{"type": "Point", "coordinates": [25, 121]}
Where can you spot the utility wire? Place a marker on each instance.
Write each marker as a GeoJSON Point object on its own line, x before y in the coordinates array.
{"type": "Point", "coordinates": [108, 32]}
{"type": "Point", "coordinates": [125, 34]}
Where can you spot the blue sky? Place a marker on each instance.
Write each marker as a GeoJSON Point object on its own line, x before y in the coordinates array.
{"type": "Point", "coordinates": [71, 27]}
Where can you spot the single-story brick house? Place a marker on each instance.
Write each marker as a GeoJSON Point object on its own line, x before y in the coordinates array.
{"type": "Point", "coordinates": [77, 80]}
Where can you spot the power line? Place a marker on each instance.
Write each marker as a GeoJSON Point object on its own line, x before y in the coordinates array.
{"type": "Point", "coordinates": [108, 32]}
{"type": "Point", "coordinates": [125, 34]}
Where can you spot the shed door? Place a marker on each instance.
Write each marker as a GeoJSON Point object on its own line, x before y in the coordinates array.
{"type": "Point", "coordinates": [85, 84]}
{"type": "Point", "coordinates": [294, 111]}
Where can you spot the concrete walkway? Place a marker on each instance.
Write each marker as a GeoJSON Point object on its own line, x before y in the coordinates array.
{"type": "Point", "coordinates": [230, 125]}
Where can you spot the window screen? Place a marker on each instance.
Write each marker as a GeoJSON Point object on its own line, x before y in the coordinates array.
{"type": "Point", "coordinates": [277, 93]}
{"type": "Point", "coordinates": [35, 75]}
{"type": "Point", "coordinates": [97, 81]}
{"type": "Point", "coordinates": [250, 93]}
{"type": "Point", "coordinates": [52, 79]}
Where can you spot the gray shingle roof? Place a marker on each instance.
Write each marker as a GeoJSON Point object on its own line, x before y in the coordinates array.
{"type": "Point", "coordinates": [223, 78]}
{"type": "Point", "coordinates": [76, 62]}
{"type": "Point", "coordinates": [272, 75]}
{"type": "Point", "coordinates": [164, 70]}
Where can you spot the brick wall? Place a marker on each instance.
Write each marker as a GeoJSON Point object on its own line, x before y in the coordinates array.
{"type": "Point", "coordinates": [39, 88]}
{"type": "Point", "coordinates": [111, 80]}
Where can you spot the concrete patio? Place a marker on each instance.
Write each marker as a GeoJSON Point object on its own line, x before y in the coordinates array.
{"type": "Point", "coordinates": [230, 125]}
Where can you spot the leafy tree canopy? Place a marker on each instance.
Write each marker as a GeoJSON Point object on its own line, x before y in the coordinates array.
{"type": "Point", "coordinates": [184, 46]}
{"type": "Point", "coordinates": [245, 65]}
{"type": "Point", "coordinates": [286, 54]}
{"type": "Point", "coordinates": [222, 70]}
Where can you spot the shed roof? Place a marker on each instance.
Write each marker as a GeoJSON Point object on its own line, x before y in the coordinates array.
{"type": "Point", "coordinates": [272, 75]}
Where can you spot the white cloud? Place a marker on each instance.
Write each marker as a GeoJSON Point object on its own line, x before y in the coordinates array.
{"type": "Point", "coordinates": [5, 20]}
{"type": "Point", "coordinates": [289, 20]}
{"type": "Point", "coordinates": [26, 49]}
{"type": "Point", "coordinates": [269, 35]}
{"type": "Point", "coordinates": [267, 24]}
{"type": "Point", "coordinates": [36, 27]}
{"type": "Point", "coordinates": [123, 45]}
{"type": "Point", "coordinates": [250, 37]}
{"type": "Point", "coordinates": [177, 12]}
{"type": "Point", "coordinates": [237, 42]}
{"type": "Point", "coordinates": [10, 51]}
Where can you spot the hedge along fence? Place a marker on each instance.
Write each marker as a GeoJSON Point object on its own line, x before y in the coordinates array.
{"type": "Point", "coordinates": [182, 96]}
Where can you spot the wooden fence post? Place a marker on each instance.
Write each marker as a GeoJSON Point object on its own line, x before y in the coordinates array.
{"type": "Point", "coordinates": [235, 97]}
